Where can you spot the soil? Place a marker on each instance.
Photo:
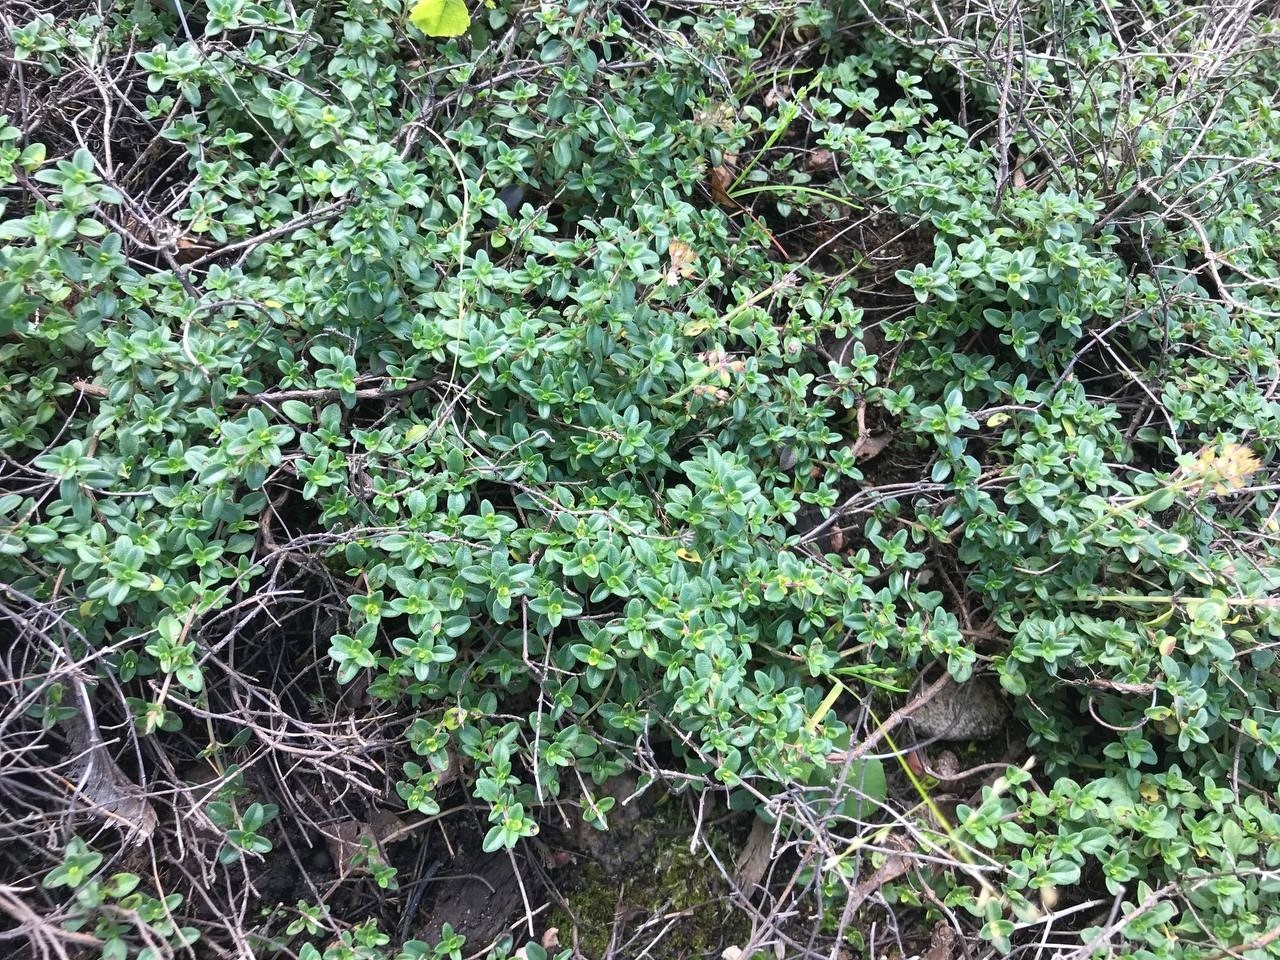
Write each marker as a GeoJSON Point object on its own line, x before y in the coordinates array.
{"type": "Point", "coordinates": [477, 894]}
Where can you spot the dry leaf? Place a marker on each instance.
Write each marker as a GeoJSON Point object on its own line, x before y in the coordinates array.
{"type": "Point", "coordinates": [343, 842]}
{"type": "Point", "coordinates": [189, 250]}
{"type": "Point", "coordinates": [682, 261]}
{"type": "Point", "coordinates": [731, 953]}
{"type": "Point", "coordinates": [453, 770]}
{"type": "Point", "coordinates": [555, 859]}
{"type": "Point", "coordinates": [720, 179]}
{"type": "Point", "coordinates": [346, 838]}
{"type": "Point", "coordinates": [97, 779]}
{"type": "Point", "coordinates": [871, 445]}
{"type": "Point", "coordinates": [894, 867]}
{"type": "Point", "coordinates": [386, 825]}
{"type": "Point", "coordinates": [754, 859]}
{"type": "Point", "coordinates": [551, 938]}
{"type": "Point", "coordinates": [914, 760]}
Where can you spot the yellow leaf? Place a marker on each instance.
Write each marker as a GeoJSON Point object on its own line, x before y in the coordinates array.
{"type": "Point", "coordinates": [824, 707]}
{"type": "Point", "coordinates": [690, 556]}
{"type": "Point", "coordinates": [440, 18]}
{"type": "Point", "coordinates": [1149, 792]}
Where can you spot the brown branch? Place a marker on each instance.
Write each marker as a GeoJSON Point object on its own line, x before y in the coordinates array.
{"type": "Point", "coordinates": [893, 720]}
{"type": "Point", "coordinates": [89, 389]}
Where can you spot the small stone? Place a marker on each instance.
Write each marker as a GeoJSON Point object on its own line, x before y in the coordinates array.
{"type": "Point", "coordinates": [821, 160]}
{"type": "Point", "coordinates": [944, 943]}
{"type": "Point", "coordinates": [947, 765]}
{"type": "Point", "coordinates": [962, 711]}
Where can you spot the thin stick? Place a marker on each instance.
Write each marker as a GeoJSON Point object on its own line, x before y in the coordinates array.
{"type": "Point", "coordinates": [524, 896]}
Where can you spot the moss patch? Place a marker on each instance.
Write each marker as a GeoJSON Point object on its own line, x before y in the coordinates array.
{"type": "Point", "coordinates": [668, 881]}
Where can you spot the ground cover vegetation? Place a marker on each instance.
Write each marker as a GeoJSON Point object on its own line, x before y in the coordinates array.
{"type": "Point", "coordinates": [419, 442]}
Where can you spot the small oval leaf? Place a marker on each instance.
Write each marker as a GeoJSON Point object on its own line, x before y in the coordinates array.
{"type": "Point", "coordinates": [297, 411]}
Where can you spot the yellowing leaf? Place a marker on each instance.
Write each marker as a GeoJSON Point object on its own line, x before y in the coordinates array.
{"type": "Point", "coordinates": [1149, 792]}
{"type": "Point", "coordinates": [824, 707]}
{"type": "Point", "coordinates": [690, 556]}
{"type": "Point", "coordinates": [440, 18]}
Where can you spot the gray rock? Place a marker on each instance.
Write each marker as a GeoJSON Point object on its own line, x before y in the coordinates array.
{"type": "Point", "coordinates": [975, 710]}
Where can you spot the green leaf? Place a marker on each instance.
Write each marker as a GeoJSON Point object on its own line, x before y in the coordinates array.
{"type": "Point", "coordinates": [440, 18]}
{"type": "Point", "coordinates": [998, 932]}
{"type": "Point", "coordinates": [297, 411]}
{"type": "Point", "coordinates": [191, 678]}
{"type": "Point", "coordinates": [121, 885]}
{"type": "Point", "coordinates": [866, 777]}
{"type": "Point", "coordinates": [494, 839]}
